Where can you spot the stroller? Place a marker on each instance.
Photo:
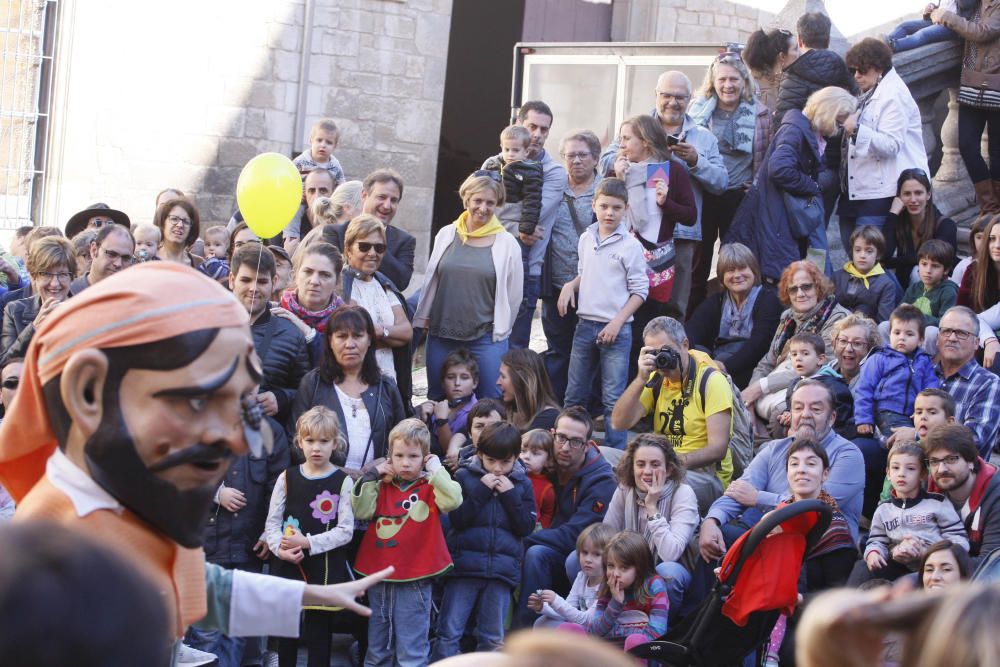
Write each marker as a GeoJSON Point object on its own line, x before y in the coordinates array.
{"type": "Point", "coordinates": [708, 638]}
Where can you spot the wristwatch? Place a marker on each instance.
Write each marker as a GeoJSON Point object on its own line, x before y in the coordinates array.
{"type": "Point", "coordinates": [439, 422]}
{"type": "Point", "coordinates": [654, 517]}
{"type": "Point", "coordinates": [385, 332]}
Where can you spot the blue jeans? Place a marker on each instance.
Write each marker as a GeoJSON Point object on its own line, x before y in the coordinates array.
{"type": "Point", "coordinates": [399, 624]}
{"type": "Point", "coordinates": [520, 335]}
{"type": "Point", "coordinates": [229, 650]}
{"type": "Point", "coordinates": [559, 332]}
{"type": "Point", "coordinates": [486, 353]}
{"type": "Point", "coordinates": [543, 567]}
{"type": "Point", "coordinates": [677, 579]}
{"type": "Point", "coordinates": [911, 34]}
{"type": "Point", "coordinates": [612, 358]}
{"type": "Point", "coordinates": [461, 597]}
{"type": "Point", "coordinates": [848, 225]}
{"type": "Point", "coordinates": [876, 456]}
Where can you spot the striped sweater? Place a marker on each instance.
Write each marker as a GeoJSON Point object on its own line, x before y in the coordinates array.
{"type": "Point", "coordinates": [930, 517]}
{"type": "Point", "coordinates": [613, 620]}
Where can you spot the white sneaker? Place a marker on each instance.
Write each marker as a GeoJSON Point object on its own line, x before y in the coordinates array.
{"type": "Point", "coordinates": [192, 657]}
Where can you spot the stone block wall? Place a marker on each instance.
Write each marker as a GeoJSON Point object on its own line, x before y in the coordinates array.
{"type": "Point", "coordinates": [150, 95]}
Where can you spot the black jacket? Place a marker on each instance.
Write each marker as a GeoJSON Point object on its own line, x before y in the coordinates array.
{"type": "Point", "coordinates": [14, 295]}
{"type": "Point", "coordinates": [283, 354]}
{"type": "Point", "coordinates": [18, 327]}
{"type": "Point", "coordinates": [703, 332]}
{"type": "Point", "coordinates": [397, 262]}
{"type": "Point", "coordinates": [402, 356]}
{"type": "Point", "coordinates": [385, 408]}
{"type": "Point", "coordinates": [811, 71]}
{"type": "Point", "coordinates": [229, 536]}
{"type": "Point", "coordinates": [522, 183]}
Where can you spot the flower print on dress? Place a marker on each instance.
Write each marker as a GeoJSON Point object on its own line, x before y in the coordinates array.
{"type": "Point", "coordinates": [325, 506]}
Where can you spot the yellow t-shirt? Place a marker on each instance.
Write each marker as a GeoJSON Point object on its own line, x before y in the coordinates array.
{"type": "Point", "coordinates": [685, 424]}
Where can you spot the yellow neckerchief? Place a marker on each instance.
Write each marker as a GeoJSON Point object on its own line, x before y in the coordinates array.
{"type": "Point", "coordinates": [877, 270]}
{"type": "Point", "coordinates": [489, 229]}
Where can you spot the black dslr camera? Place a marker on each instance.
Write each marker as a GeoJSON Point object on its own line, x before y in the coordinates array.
{"type": "Point", "coordinates": [667, 359]}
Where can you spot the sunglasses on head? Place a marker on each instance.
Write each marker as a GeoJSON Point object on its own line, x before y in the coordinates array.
{"type": "Point", "coordinates": [365, 247]}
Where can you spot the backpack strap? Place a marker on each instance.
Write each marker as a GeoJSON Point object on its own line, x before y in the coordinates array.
{"type": "Point", "coordinates": [703, 385]}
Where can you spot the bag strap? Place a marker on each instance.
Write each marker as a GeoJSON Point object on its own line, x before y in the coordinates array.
{"type": "Point", "coordinates": [580, 229]}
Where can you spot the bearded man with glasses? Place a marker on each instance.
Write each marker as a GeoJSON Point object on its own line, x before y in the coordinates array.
{"type": "Point", "coordinates": [110, 253]}
{"type": "Point", "coordinates": [976, 390]}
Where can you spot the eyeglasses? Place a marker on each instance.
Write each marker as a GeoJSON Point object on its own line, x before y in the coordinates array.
{"type": "Point", "coordinates": [366, 247]}
{"type": "Point", "coordinates": [957, 334]}
{"type": "Point", "coordinates": [574, 443]}
{"type": "Point", "coordinates": [804, 288]}
{"type": "Point", "coordinates": [62, 276]}
{"type": "Point", "coordinates": [178, 220]}
{"type": "Point", "coordinates": [573, 157]}
{"type": "Point", "coordinates": [11, 383]}
{"type": "Point", "coordinates": [853, 344]}
{"type": "Point", "coordinates": [948, 461]}
{"type": "Point", "coordinates": [786, 33]}
{"type": "Point", "coordinates": [117, 256]}
{"type": "Point", "coordinates": [729, 56]}
{"type": "Point", "coordinates": [680, 99]}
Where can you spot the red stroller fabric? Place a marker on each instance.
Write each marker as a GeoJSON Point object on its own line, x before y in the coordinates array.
{"type": "Point", "coordinates": [770, 576]}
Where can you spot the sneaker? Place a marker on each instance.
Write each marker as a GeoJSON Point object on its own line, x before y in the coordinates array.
{"type": "Point", "coordinates": [192, 657]}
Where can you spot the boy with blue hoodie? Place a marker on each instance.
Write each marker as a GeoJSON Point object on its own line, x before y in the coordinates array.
{"type": "Point", "coordinates": [485, 540]}
{"type": "Point", "coordinates": [892, 376]}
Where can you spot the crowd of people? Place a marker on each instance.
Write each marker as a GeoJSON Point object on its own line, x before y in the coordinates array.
{"type": "Point", "coordinates": [872, 387]}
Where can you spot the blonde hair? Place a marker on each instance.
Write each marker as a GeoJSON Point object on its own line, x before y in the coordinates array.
{"type": "Point", "coordinates": [539, 439]}
{"type": "Point", "coordinates": [411, 431]}
{"type": "Point", "coordinates": [218, 230]}
{"type": "Point", "coordinates": [320, 422]}
{"type": "Point", "coordinates": [474, 184]}
{"type": "Point", "coordinates": [737, 256]}
{"type": "Point", "coordinates": [517, 133]}
{"type": "Point", "coordinates": [49, 252]}
{"type": "Point", "coordinates": [360, 227]}
{"type": "Point", "coordinates": [558, 648]}
{"type": "Point", "coordinates": [962, 632]}
{"type": "Point", "coordinates": [145, 228]}
{"type": "Point", "coordinates": [347, 194]}
{"type": "Point", "coordinates": [825, 106]}
{"type": "Point", "coordinates": [327, 125]}
{"type": "Point", "coordinates": [732, 60]}
{"type": "Point", "coordinates": [322, 211]}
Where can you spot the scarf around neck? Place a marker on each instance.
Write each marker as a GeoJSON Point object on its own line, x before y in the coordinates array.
{"type": "Point", "coordinates": [744, 120]}
{"type": "Point", "coordinates": [877, 270]}
{"type": "Point", "coordinates": [489, 229]}
{"type": "Point", "coordinates": [812, 322]}
{"type": "Point", "coordinates": [315, 318]}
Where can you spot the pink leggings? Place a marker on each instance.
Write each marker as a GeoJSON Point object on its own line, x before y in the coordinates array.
{"type": "Point", "coordinates": [630, 642]}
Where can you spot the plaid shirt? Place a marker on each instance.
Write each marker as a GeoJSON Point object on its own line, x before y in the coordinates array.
{"type": "Point", "coordinates": [977, 399]}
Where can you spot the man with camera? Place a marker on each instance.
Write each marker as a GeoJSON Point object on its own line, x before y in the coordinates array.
{"type": "Point", "coordinates": [690, 405]}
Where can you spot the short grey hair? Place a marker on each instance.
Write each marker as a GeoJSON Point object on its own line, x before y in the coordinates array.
{"type": "Point", "coordinates": [813, 382]}
{"type": "Point", "coordinates": [667, 325]}
{"type": "Point", "coordinates": [968, 312]}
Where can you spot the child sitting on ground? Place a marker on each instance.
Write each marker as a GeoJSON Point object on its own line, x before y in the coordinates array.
{"type": "Point", "coordinates": [482, 414]}
{"type": "Point", "coordinates": [310, 524]}
{"type": "Point", "coordinates": [863, 285]}
{"type": "Point", "coordinates": [933, 294]}
{"type": "Point", "coordinates": [448, 417]}
{"type": "Point", "coordinates": [579, 604]}
{"type": "Point", "coordinates": [632, 603]}
{"type": "Point", "coordinates": [147, 240]}
{"type": "Point", "coordinates": [538, 456]}
{"type": "Point", "coordinates": [522, 181]}
{"type": "Point", "coordinates": [891, 377]}
{"type": "Point", "coordinates": [486, 534]}
{"type": "Point", "coordinates": [807, 353]}
{"type": "Point", "coordinates": [404, 504]}
{"type": "Point", "coordinates": [914, 519]}
{"type": "Point", "coordinates": [919, 32]}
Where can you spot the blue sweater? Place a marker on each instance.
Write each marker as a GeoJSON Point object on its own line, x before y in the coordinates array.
{"type": "Point", "coordinates": [487, 529]}
{"type": "Point", "coordinates": [890, 380]}
{"type": "Point", "coordinates": [768, 475]}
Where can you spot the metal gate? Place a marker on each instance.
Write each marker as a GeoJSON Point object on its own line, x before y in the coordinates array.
{"type": "Point", "coordinates": [27, 44]}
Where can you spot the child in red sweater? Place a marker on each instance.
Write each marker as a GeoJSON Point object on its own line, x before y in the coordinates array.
{"type": "Point", "coordinates": [539, 457]}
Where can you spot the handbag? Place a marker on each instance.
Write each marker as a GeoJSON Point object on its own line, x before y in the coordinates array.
{"type": "Point", "coordinates": [660, 261]}
{"type": "Point", "coordinates": [805, 214]}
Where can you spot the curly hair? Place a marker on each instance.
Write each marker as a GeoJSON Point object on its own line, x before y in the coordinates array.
{"type": "Point", "coordinates": [625, 471]}
{"type": "Point", "coordinates": [824, 286]}
{"type": "Point", "coordinates": [869, 53]}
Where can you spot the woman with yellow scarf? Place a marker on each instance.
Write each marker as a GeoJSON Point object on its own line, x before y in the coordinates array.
{"type": "Point", "coordinates": [472, 289]}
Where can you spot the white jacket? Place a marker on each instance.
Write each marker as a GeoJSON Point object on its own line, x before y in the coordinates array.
{"type": "Point", "coordinates": [890, 139]}
{"type": "Point", "coordinates": [510, 281]}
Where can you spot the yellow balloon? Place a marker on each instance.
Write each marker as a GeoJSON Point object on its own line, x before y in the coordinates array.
{"type": "Point", "coordinates": [269, 193]}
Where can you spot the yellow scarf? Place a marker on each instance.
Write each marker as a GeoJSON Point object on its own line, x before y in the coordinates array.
{"type": "Point", "coordinates": [489, 229]}
{"type": "Point", "coordinates": [877, 270]}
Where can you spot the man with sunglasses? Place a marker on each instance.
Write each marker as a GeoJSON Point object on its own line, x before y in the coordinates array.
{"type": "Point", "coordinates": [976, 390]}
{"type": "Point", "coordinates": [95, 217]}
{"type": "Point", "coordinates": [698, 149]}
{"type": "Point", "coordinates": [584, 483]}
{"type": "Point", "coordinates": [968, 481]}
{"type": "Point", "coordinates": [110, 252]}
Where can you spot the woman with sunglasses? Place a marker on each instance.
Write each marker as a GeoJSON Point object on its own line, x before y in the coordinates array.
{"type": "Point", "coordinates": [880, 140]}
{"type": "Point", "coordinates": [472, 289]}
{"type": "Point", "coordinates": [726, 105]}
{"type": "Point", "coordinates": [913, 218]}
{"type": "Point", "coordinates": [364, 285]}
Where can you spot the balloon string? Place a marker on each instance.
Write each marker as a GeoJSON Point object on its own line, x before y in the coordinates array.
{"type": "Point", "coordinates": [256, 273]}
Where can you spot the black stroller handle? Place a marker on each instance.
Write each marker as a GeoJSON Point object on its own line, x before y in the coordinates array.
{"type": "Point", "coordinates": [774, 519]}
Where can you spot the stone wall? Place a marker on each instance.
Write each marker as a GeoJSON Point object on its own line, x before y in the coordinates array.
{"type": "Point", "coordinates": [151, 95]}
{"type": "Point", "coordinates": [716, 21]}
